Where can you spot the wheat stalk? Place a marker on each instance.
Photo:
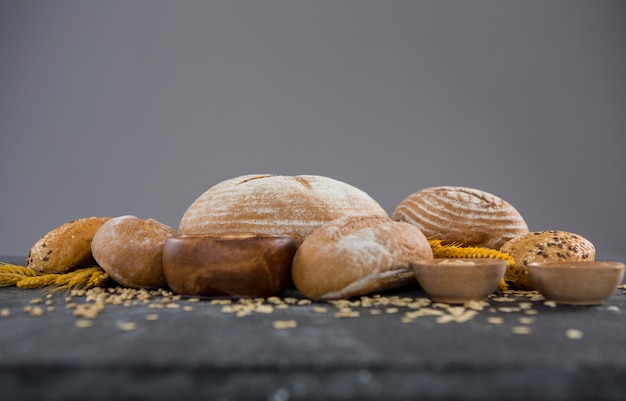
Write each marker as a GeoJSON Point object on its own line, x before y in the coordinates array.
{"type": "Point", "coordinates": [459, 251]}
{"type": "Point", "coordinates": [23, 277]}
{"type": "Point", "coordinates": [44, 280]}
{"type": "Point", "coordinates": [10, 274]}
{"type": "Point", "coordinates": [82, 278]}
{"type": "Point", "coordinates": [97, 279]}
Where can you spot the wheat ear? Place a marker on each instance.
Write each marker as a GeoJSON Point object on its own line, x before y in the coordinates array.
{"type": "Point", "coordinates": [10, 274]}
{"type": "Point", "coordinates": [82, 279]}
{"type": "Point", "coordinates": [44, 280]}
{"type": "Point", "coordinates": [23, 277]}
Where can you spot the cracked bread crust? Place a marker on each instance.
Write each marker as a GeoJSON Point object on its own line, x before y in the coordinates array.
{"type": "Point", "coordinates": [275, 204]}
{"type": "Point", "coordinates": [357, 255]}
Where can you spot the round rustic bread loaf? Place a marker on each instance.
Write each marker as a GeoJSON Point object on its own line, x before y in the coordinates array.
{"type": "Point", "coordinates": [65, 248]}
{"type": "Point", "coordinates": [545, 246]}
{"type": "Point", "coordinates": [356, 255]}
{"type": "Point", "coordinates": [130, 250]}
{"type": "Point", "coordinates": [275, 204]}
{"type": "Point", "coordinates": [467, 216]}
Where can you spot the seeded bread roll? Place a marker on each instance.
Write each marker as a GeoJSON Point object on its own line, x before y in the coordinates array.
{"type": "Point", "coordinates": [130, 250]}
{"type": "Point", "coordinates": [545, 246]}
{"type": "Point", "coordinates": [467, 216]}
{"type": "Point", "coordinates": [274, 204]}
{"type": "Point", "coordinates": [65, 248]}
{"type": "Point", "coordinates": [357, 255]}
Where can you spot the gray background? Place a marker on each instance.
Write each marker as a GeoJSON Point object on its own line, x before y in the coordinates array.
{"type": "Point", "coordinates": [137, 107]}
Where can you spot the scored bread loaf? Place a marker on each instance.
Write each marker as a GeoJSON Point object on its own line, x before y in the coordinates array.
{"type": "Point", "coordinates": [545, 246]}
{"type": "Point", "coordinates": [65, 248]}
{"type": "Point", "coordinates": [275, 204]}
{"type": "Point", "coordinates": [460, 215]}
{"type": "Point", "coordinates": [356, 255]}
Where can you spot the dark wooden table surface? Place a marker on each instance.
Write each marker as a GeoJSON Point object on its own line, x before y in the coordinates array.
{"type": "Point", "coordinates": [516, 348]}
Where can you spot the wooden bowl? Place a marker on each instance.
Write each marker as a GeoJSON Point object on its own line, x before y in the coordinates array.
{"type": "Point", "coordinates": [246, 265]}
{"type": "Point", "coordinates": [459, 280]}
{"type": "Point", "coordinates": [576, 283]}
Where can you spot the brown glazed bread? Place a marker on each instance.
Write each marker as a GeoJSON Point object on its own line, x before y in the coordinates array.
{"type": "Point", "coordinates": [65, 248]}
{"type": "Point", "coordinates": [130, 250]}
{"type": "Point", "coordinates": [467, 216]}
{"type": "Point", "coordinates": [357, 255]}
{"type": "Point", "coordinates": [545, 246]}
{"type": "Point", "coordinates": [275, 204]}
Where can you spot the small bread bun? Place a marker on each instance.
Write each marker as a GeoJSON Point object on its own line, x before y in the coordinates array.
{"type": "Point", "coordinates": [465, 216]}
{"type": "Point", "coordinates": [275, 204]}
{"type": "Point", "coordinates": [66, 247]}
{"type": "Point", "coordinates": [545, 246]}
{"type": "Point", "coordinates": [357, 255]}
{"type": "Point", "coordinates": [130, 250]}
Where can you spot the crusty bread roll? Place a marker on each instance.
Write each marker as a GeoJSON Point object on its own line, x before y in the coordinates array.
{"type": "Point", "coordinates": [467, 216]}
{"type": "Point", "coordinates": [130, 250]}
{"type": "Point", "coordinates": [545, 246]}
{"type": "Point", "coordinates": [65, 248]}
{"type": "Point", "coordinates": [274, 204]}
{"type": "Point", "coordinates": [357, 255]}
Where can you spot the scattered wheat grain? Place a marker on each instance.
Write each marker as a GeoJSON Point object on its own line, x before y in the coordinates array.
{"type": "Point", "coordinates": [495, 320]}
{"type": "Point", "coordinates": [509, 310]}
{"type": "Point", "coordinates": [83, 323]}
{"type": "Point", "coordinates": [290, 300]}
{"type": "Point", "coordinates": [264, 308]}
{"type": "Point", "coordinates": [521, 330]}
{"type": "Point", "coordinates": [573, 334]}
{"type": "Point", "coordinates": [127, 326]}
{"type": "Point", "coordinates": [36, 311]}
{"type": "Point", "coordinates": [346, 314]}
{"type": "Point", "coordinates": [221, 302]}
{"type": "Point", "coordinates": [284, 324]}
